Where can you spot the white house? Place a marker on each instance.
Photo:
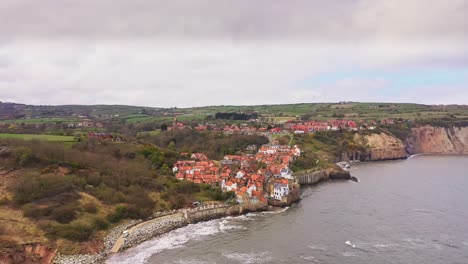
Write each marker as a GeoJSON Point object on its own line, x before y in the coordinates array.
{"type": "Point", "coordinates": [286, 173]}
{"type": "Point", "coordinates": [229, 186]}
{"type": "Point", "coordinates": [280, 190]}
{"type": "Point", "coordinates": [251, 189]}
{"type": "Point", "coordinates": [240, 174]}
{"type": "Point", "coordinates": [297, 151]}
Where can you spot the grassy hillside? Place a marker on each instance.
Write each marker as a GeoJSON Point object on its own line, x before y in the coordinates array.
{"type": "Point", "coordinates": [15, 113]}
{"type": "Point", "coordinates": [67, 195]}
{"type": "Point", "coordinates": [55, 138]}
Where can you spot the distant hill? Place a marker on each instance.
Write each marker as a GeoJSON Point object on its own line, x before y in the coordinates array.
{"type": "Point", "coordinates": [349, 110]}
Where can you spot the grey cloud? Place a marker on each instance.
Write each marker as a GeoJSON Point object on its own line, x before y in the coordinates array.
{"type": "Point", "coordinates": [351, 20]}
{"type": "Point", "coordinates": [185, 53]}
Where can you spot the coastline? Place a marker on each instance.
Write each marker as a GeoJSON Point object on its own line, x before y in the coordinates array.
{"type": "Point", "coordinates": [140, 231]}
{"type": "Point", "coordinates": [201, 215]}
{"type": "Point", "coordinates": [151, 228]}
{"type": "Point", "coordinates": [229, 211]}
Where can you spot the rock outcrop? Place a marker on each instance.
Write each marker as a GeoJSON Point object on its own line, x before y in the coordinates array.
{"type": "Point", "coordinates": [28, 253]}
{"type": "Point", "coordinates": [421, 140]}
{"type": "Point", "coordinates": [438, 140]}
{"type": "Point", "coordinates": [385, 147]}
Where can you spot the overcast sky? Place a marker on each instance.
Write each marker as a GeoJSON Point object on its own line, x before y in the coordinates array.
{"type": "Point", "coordinates": [219, 52]}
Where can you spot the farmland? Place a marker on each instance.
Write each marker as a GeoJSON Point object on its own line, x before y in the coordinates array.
{"type": "Point", "coordinates": [41, 120]}
{"type": "Point", "coordinates": [54, 138]}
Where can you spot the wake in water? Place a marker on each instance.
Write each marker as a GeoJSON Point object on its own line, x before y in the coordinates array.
{"type": "Point", "coordinates": [414, 155]}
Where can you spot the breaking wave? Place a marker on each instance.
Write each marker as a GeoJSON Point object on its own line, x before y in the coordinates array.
{"type": "Point", "coordinates": [177, 238]}
{"type": "Point", "coordinates": [250, 258]}
{"type": "Point", "coordinates": [317, 247]}
{"type": "Point", "coordinates": [171, 240]}
{"type": "Point", "coordinates": [225, 225]}
{"type": "Point", "coordinates": [276, 212]}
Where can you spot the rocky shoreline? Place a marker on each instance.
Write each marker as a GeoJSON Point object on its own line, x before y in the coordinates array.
{"type": "Point", "coordinates": [134, 233]}
{"type": "Point", "coordinates": [109, 241]}
{"type": "Point", "coordinates": [140, 231]}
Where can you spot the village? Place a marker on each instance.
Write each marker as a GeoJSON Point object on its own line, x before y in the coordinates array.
{"type": "Point", "coordinates": [254, 126]}
{"type": "Point", "coordinates": [263, 177]}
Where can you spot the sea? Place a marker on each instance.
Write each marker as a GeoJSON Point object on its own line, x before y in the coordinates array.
{"type": "Point", "coordinates": [405, 211]}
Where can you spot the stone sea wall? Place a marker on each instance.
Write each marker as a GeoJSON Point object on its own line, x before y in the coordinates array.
{"type": "Point", "coordinates": [153, 228]}
{"type": "Point", "coordinates": [161, 223]}
{"type": "Point", "coordinates": [308, 178]}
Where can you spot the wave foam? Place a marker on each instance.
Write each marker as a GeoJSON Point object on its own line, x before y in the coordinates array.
{"type": "Point", "coordinates": [177, 238]}
{"type": "Point", "coordinates": [226, 226]}
{"type": "Point", "coordinates": [276, 212]}
{"type": "Point", "coordinates": [315, 247]}
{"type": "Point", "coordinates": [350, 244]}
{"type": "Point", "coordinates": [250, 258]}
{"type": "Point", "coordinates": [349, 254]}
{"type": "Point", "coordinates": [385, 245]}
{"type": "Point", "coordinates": [171, 240]}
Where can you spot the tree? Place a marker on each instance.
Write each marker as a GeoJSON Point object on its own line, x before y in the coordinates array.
{"type": "Point", "coordinates": [172, 146]}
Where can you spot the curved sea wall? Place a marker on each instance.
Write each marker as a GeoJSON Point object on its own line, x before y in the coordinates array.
{"type": "Point", "coordinates": [135, 232]}
{"type": "Point", "coordinates": [152, 228]}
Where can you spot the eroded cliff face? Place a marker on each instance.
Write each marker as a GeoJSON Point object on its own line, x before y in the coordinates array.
{"type": "Point", "coordinates": [421, 140]}
{"type": "Point", "coordinates": [385, 147]}
{"type": "Point", "coordinates": [28, 254]}
{"type": "Point", "coordinates": [438, 140]}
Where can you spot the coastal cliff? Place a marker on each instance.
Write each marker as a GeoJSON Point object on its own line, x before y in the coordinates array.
{"type": "Point", "coordinates": [419, 140]}
{"type": "Point", "coordinates": [384, 147]}
{"type": "Point", "coordinates": [438, 140]}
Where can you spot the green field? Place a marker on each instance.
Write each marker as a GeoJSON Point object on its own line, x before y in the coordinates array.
{"type": "Point", "coordinates": [41, 120]}
{"type": "Point", "coordinates": [55, 138]}
{"type": "Point", "coordinates": [149, 133]}
{"type": "Point", "coordinates": [142, 118]}
{"type": "Point", "coordinates": [279, 113]}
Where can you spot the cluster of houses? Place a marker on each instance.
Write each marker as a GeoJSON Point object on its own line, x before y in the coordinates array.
{"type": "Point", "coordinates": [231, 129]}
{"type": "Point", "coordinates": [313, 126]}
{"type": "Point", "coordinates": [302, 127]}
{"type": "Point", "coordinates": [292, 126]}
{"type": "Point", "coordinates": [84, 124]}
{"type": "Point", "coordinates": [261, 177]}
{"type": "Point", "coordinates": [100, 135]}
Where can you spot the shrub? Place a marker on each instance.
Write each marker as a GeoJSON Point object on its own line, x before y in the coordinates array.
{"type": "Point", "coordinates": [108, 194]}
{"type": "Point", "coordinates": [4, 201]}
{"type": "Point", "coordinates": [64, 214]}
{"type": "Point", "coordinates": [100, 224]}
{"type": "Point", "coordinates": [120, 212]}
{"type": "Point", "coordinates": [34, 212]}
{"type": "Point", "coordinates": [25, 157]}
{"type": "Point", "coordinates": [90, 208]}
{"type": "Point", "coordinates": [74, 232]}
{"type": "Point", "coordinates": [33, 187]}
